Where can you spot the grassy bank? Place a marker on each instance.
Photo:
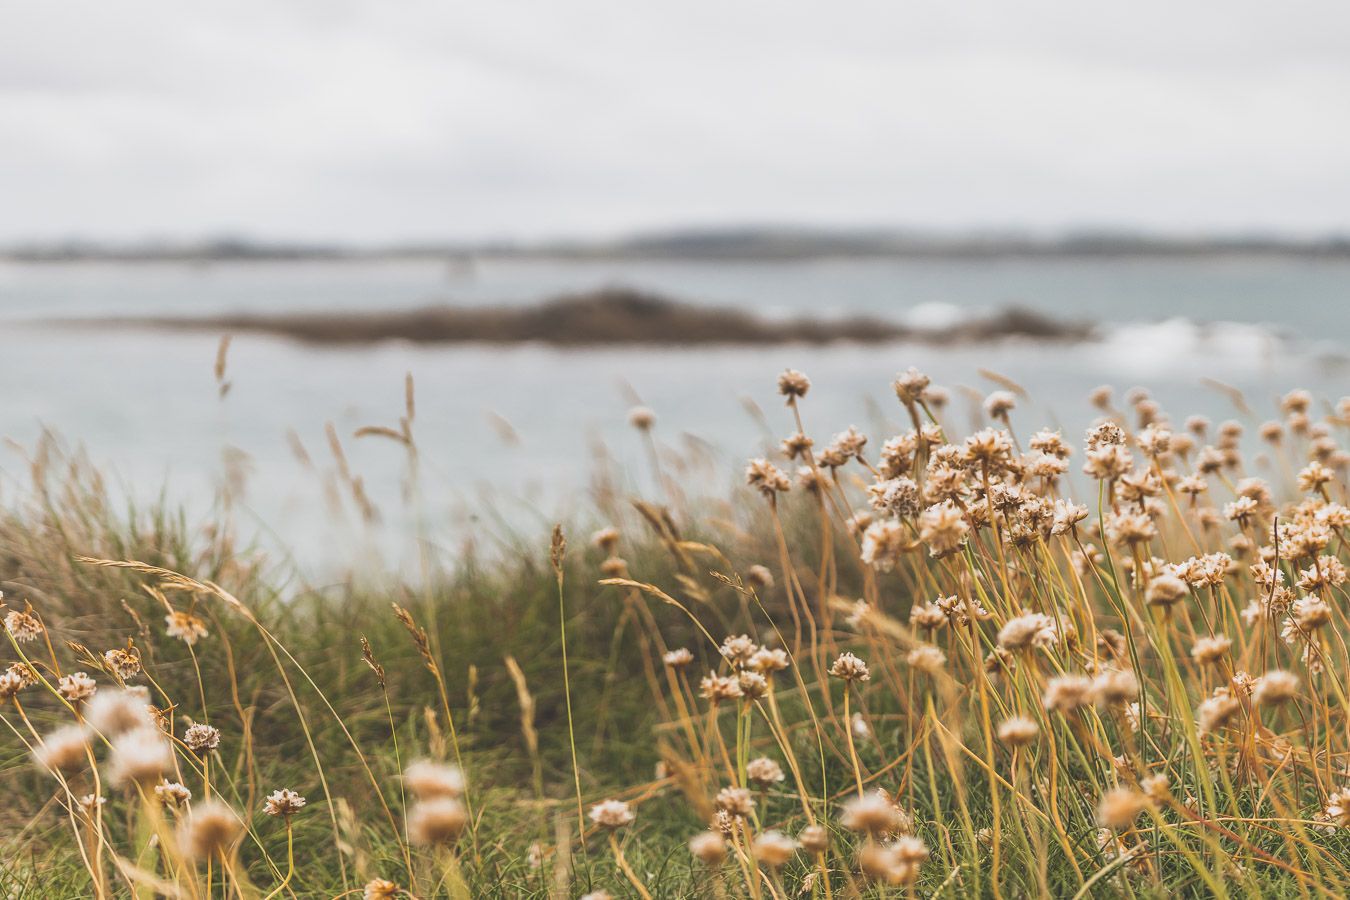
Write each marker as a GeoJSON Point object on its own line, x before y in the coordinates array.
{"type": "Point", "coordinates": [913, 667]}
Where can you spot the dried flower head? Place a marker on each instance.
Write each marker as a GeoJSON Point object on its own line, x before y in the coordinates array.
{"type": "Point", "coordinates": [1027, 631]}
{"type": "Point", "coordinates": [678, 658]}
{"type": "Point", "coordinates": [23, 626]}
{"type": "Point", "coordinates": [850, 668]}
{"type": "Point", "coordinates": [763, 772]}
{"type": "Point", "coordinates": [171, 793]}
{"type": "Point", "coordinates": [1066, 693]}
{"type": "Point", "coordinates": [1119, 807]}
{"type": "Point", "coordinates": [284, 802]}
{"type": "Point", "coordinates": [76, 687]}
{"type": "Point", "coordinates": [873, 814]}
{"type": "Point", "coordinates": [1275, 686]}
{"type": "Point", "coordinates": [125, 664]}
{"type": "Point", "coordinates": [793, 384]}
{"type": "Point", "coordinates": [380, 889]}
{"type": "Point", "coordinates": [1017, 731]}
{"type": "Point", "coordinates": [201, 738]}
{"type": "Point", "coordinates": [113, 712]}
{"type": "Point", "coordinates": [773, 849]}
{"type": "Point", "coordinates": [735, 801]}
{"type": "Point", "coordinates": [142, 756]}
{"type": "Point", "coordinates": [641, 418]}
{"type": "Point", "coordinates": [185, 627]}
{"type": "Point", "coordinates": [708, 847]}
{"type": "Point", "coordinates": [612, 814]}
{"type": "Point", "coordinates": [436, 822]}
{"type": "Point", "coordinates": [211, 831]}
{"type": "Point", "coordinates": [63, 750]}
{"type": "Point", "coordinates": [1210, 649]}
{"type": "Point", "coordinates": [814, 839]}
{"type": "Point", "coordinates": [428, 780]}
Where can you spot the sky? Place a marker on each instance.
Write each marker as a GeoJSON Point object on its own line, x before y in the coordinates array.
{"type": "Point", "coordinates": [413, 120]}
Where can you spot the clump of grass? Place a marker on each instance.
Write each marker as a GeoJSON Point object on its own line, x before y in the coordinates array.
{"type": "Point", "coordinates": [922, 667]}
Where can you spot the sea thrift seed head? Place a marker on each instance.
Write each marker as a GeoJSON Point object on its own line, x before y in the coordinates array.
{"type": "Point", "coordinates": [1210, 650]}
{"type": "Point", "coordinates": [1027, 631]}
{"type": "Point", "coordinates": [112, 712]}
{"type": "Point", "coordinates": [171, 793]}
{"type": "Point", "coordinates": [436, 822]}
{"type": "Point", "coordinates": [753, 685]}
{"type": "Point", "coordinates": [760, 577]}
{"type": "Point", "coordinates": [678, 658]}
{"type": "Point", "coordinates": [1119, 807]}
{"type": "Point", "coordinates": [612, 814]}
{"type": "Point", "coordinates": [125, 664]}
{"type": "Point", "coordinates": [1066, 693]}
{"type": "Point", "coordinates": [641, 418]}
{"type": "Point", "coordinates": [773, 849]}
{"type": "Point", "coordinates": [63, 750]}
{"type": "Point", "coordinates": [999, 404]}
{"type": "Point", "coordinates": [763, 772]}
{"type": "Point", "coordinates": [284, 802]}
{"type": "Point", "coordinates": [185, 626]}
{"type": "Point", "coordinates": [849, 668]}
{"type": "Point", "coordinates": [1337, 811]}
{"type": "Point", "coordinates": [380, 889]}
{"type": "Point", "coordinates": [1017, 731]}
{"type": "Point", "coordinates": [211, 831]}
{"type": "Point", "coordinates": [1165, 590]}
{"type": "Point", "coordinates": [1215, 712]}
{"type": "Point", "coordinates": [872, 814]}
{"type": "Point", "coordinates": [884, 544]}
{"type": "Point", "coordinates": [927, 659]}
{"type": "Point", "coordinates": [737, 649]}
{"type": "Point", "coordinates": [142, 756]}
{"type": "Point", "coordinates": [793, 384]}
{"type": "Point", "coordinates": [735, 801]}
{"type": "Point", "coordinates": [1157, 788]}
{"type": "Point", "coordinates": [943, 528]}
{"type": "Point", "coordinates": [1114, 687]}
{"type": "Point", "coordinates": [814, 839]}
{"type": "Point", "coordinates": [1275, 686]}
{"type": "Point", "coordinates": [201, 738]}
{"type": "Point", "coordinates": [910, 385]}
{"type": "Point", "coordinates": [606, 539]}
{"type": "Point", "coordinates": [766, 661]}
{"type": "Point", "coordinates": [765, 477]}
{"type": "Point", "coordinates": [23, 626]}
{"type": "Point", "coordinates": [10, 685]}
{"type": "Point", "coordinates": [708, 847]}
{"type": "Point", "coordinates": [76, 687]}
{"type": "Point", "coordinates": [428, 780]}
{"type": "Point", "coordinates": [717, 688]}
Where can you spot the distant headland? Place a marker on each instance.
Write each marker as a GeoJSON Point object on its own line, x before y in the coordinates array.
{"type": "Point", "coordinates": [608, 316]}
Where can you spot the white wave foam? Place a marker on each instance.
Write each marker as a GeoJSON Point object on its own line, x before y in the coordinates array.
{"type": "Point", "coordinates": [1158, 347]}
{"type": "Point", "coordinates": [935, 316]}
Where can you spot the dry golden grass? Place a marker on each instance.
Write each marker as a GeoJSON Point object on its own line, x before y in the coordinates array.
{"type": "Point", "coordinates": [920, 668]}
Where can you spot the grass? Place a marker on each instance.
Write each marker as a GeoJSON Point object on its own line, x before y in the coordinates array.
{"type": "Point", "coordinates": [953, 680]}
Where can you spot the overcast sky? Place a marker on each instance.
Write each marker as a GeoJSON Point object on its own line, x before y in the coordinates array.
{"type": "Point", "coordinates": [399, 119]}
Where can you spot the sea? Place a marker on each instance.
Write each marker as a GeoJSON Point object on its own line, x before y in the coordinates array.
{"type": "Point", "coordinates": [512, 438]}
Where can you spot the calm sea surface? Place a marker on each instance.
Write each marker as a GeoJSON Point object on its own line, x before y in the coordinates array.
{"type": "Point", "coordinates": [509, 435]}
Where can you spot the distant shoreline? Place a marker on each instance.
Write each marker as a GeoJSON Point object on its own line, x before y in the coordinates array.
{"type": "Point", "coordinates": [610, 316]}
{"type": "Point", "coordinates": [722, 245]}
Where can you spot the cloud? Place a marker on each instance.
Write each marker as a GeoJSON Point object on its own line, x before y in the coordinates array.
{"type": "Point", "coordinates": [418, 119]}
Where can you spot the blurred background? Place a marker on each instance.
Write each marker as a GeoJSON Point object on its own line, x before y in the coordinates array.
{"type": "Point", "coordinates": [1163, 187]}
